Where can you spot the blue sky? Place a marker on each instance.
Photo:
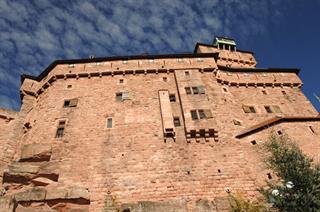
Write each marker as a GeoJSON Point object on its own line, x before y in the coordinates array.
{"type": "Point", "coordinates": [34, 33]}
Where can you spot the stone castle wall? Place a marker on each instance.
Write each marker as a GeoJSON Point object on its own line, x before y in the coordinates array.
{"type": "Point", "coordinates": [138, 159]}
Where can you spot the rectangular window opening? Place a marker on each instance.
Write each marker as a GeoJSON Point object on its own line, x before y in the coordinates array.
{"type": "Point", "coordinates": [121, 81]}
{"type": "Point", "coordinates": [264, 92]}
{"type": "Point", "coordinates": [194, 115]}
{"type": "Point", "coordinates": [70, 103]}
{"type": "Point", "coordinates": [176, 121]}
{"type": "Point", "coordinates": [172, 97]}
{"type": "Point", "coordinates": [202, 115]}
{"type": "Point", "coordinates": [195, 90]}
{"type": "Point", "coordinates": [188, 90]}
{"type": "Point", "coordinates": [109, 122]}
{"type": "Point", "coordinates": [164, 79]}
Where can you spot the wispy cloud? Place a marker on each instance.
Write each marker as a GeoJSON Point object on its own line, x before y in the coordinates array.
{"type": "Point", "coordinates": [34, 33]}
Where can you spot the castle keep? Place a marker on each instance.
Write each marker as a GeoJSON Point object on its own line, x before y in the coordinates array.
{"type": "Point", "coordinates": [149, 132]}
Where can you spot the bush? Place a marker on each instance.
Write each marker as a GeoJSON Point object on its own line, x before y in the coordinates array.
{"type": "Point", "coordinates": [298, 188]}
{"type": "Point", "coordinates": [240, 204]}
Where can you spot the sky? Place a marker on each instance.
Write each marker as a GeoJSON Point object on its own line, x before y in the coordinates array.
{"type": "Point", "coordinates": [34, 33]}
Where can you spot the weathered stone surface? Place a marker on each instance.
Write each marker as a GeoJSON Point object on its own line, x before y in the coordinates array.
{"type": "Point", "coordinates": [19, 172]}
{"type": "Point", "coordinates": [34, 194]}
{"type": "Point", "coordinates": [77, 210]}
{"type": "Point", "coordinates": [42, 181]}
{"type": "Point", "coordinates": [204, 205]}
{"type": "Point", "coordinates": [20, 208]}
{"type": "Point", "coordinates": [67, 193]}
{"type": "Point", "coordinates": [36, 152]}
{"type": "Point", "coordinates": [7, 204]}
{"type": "Point", "coordinates": [165, 206]}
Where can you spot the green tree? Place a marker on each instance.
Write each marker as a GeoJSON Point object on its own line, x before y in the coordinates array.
{"type": "Point", "coordinates": [298, 187]}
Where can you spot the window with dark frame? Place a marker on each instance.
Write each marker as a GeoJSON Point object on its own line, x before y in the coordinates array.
{"type": "Point", "coordinates": [172, 98]}
{"type": "Point", "coordinates": [121, 81]}
{"type": "Point", "coordinates": [119, 96]}
{"type": "Point", "coordinates": [60, 129]}
{"type": "Point", "coordinates": [194, 115]}
{"type": "Point", "coordinates": [176, 122]}
{"type": "Point", "coordinates": [109, 122]}
{"type": "Point", "coordinates": [187, 73]}
{"type": "Point", "coordinates": [248, 109]}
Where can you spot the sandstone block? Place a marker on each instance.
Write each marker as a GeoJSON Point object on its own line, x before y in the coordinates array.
{"type": "Point", "coordinates": [77, 193]}
{"type": "Point", "coordinates": [7, 204]}
{"type": "Point", "coordinates": [34, 194]}
{"type": "Point", "coordinates": [55, 193]}
{"type": "Point", "coordinates": [30, 209]}
{"type": "Point", "coordinates": [36, 152]}
{"type": "Point", "coordinates": [77, 210]}
{"type": "Point", "coordinates": [42, 181]}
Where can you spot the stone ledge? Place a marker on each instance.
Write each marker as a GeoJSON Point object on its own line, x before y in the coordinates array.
{"type": "Point", "coordinates": [36, 152]}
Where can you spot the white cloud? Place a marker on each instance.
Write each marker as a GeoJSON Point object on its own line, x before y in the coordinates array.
{"type": "Point", "coordinates": [35, 33]}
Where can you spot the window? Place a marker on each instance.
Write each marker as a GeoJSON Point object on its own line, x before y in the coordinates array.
{"type": "Point", "coordinates": [195, 90]}
{"type": "Point", "coordinates": [69, 86]}
{"type": "Point", "coordinates": [121, 96]}
{"type": "Point", "coordinates": [284, 92]}
{"type": "Point", "coordinates": [172, 97]}
{"type": "Point", "coordinates": [60, 129]}
{"type": "Point", "coordinates": [201, 114]}
{"type": "Point", "coordinates": [312, 130]}
{"type": "Point", "coordinates": [194, 115]}
{"type": "Point", "coordinates": [225, 89]}
{"type": "Point", "coordinates": [188, 90]}
{"type": "Point", "coordinates": [121, 81]}
{"type": "Point", "coordinates": [268, 109]}
{"type": "Point", "coordinates": [164, 79]}
{"type": "Point", "coordinates": [248, 109]}
{"type": "Point", "coordinates": [70, 103]}
{"type": "Point", "coordinates": [109, 122]}
{"type": "Point", "coordinates": [236, 122]}
{"type": "Point", "coordinates": [264, 92]}
{"type": "Point", "coordinates": [176, 122]}
{"type": "Point", "coordinates": [279, 132]}
{"type": "Point", "coordinates": [254, 142]}
{"type": "Point", "coordinates": [187, 73]}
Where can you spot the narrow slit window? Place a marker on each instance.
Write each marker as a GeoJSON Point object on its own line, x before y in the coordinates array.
{"type": "Point", "coordinates": [60, 132]}
{"type": "Point", "coordinates": [279, 132]}
{"type": "Point", "coordinates": [194, 115]}
{"type": "Point", "coordinates": [176, 122]}
{"type": "Point", "coordinates": [109, 122]}
{"type": "Point", "coordinates": [264, 92]}
{"type": "Point", "coordinates": [284, 92]}
{"type": "Point", "coordinates": [188, 90]}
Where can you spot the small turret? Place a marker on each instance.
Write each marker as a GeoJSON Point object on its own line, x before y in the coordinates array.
{"type": "Point", "coordinates": [224, 43]}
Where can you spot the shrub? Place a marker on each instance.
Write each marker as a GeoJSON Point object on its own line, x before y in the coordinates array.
{"type": "Point", "coordinates": [298, 187]}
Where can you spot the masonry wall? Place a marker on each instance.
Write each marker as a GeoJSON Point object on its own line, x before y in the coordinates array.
{"type": "Point", "coordinates": [133, 160]}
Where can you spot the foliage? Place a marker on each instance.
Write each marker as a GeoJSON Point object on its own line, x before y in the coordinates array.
{"type": "Point", "coordinates": [240, 204]}
{"type": "Point", "coordinates": [298, 188]}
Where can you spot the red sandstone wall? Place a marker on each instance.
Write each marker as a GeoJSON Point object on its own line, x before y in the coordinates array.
{"type": "Point", "coordinates": [131, 160]}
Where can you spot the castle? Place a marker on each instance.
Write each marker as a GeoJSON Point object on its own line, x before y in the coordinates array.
{"type": "Point", "coordinates": [139, 133]}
